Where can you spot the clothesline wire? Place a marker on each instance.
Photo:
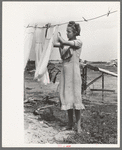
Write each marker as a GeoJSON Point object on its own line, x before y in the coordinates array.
{"type": "Point", "coordinates": [84, 20]}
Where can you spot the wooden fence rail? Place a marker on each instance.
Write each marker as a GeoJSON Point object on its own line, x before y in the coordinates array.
{"type": "Point", "coordinates": [103, 71]}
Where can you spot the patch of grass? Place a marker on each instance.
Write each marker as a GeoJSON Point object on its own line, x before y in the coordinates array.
{"type": "Point", "coordinates": [98, 127]}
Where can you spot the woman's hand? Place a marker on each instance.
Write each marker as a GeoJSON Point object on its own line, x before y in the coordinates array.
{"type": "Point", "coordinates": [63, 42]}
{"type": "Point", "coordinates": [59, 42]}
{"type": "Point", "coordinates": [60, 39]}
{"type": "Point", "coordinates": [56, 41]}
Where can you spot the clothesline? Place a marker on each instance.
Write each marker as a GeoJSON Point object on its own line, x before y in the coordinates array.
{"type": "Point", "coordinates": [84, 20]}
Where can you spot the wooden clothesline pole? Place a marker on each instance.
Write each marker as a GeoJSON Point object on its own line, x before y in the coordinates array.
{"type": "Point", "coordinates": [84, 20]}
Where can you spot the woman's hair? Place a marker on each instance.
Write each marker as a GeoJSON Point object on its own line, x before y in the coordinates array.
{"type": "Point", "coordinates": [75, 26]}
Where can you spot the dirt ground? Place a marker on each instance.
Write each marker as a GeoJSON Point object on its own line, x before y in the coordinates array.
{"type": "Point", "coordinates": [98, 122]}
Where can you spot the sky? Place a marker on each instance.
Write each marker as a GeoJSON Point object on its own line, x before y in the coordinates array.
{"type": "Point", "coordinates": [100, 37]}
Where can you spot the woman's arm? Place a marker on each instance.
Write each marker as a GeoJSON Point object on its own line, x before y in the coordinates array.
{"type": "Point", "coordinates": [64, 42]}
{"type": "Point", "coordinates": [74, 43]}
{"type": "Point", "coordinates": [56, 44]}
{"type": "Point", "coordinates": [60, 46]}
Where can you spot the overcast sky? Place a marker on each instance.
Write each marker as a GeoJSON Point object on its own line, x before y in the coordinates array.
{"type": "Point", "coordinates": [100, 37]}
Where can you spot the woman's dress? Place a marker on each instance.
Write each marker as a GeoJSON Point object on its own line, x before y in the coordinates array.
{"type": "Point", "coordinates": [70, 81]}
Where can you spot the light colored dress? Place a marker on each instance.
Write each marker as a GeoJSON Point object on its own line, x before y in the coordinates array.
{"type": "Point", "coordinates": [45, 56]}
{"type": "Point", "coordinates": [70, 81]}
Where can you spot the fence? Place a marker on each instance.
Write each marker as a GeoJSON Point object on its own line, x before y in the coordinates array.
{"type": "Point", "coordinates": [85, 85]}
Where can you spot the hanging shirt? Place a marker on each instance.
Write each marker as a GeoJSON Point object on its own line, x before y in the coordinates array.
{"type": "Point", "coordinates": [39, 42]}
{"type": "Point", "coordinates": [40, 38]}
{"type": "Point", "coordinates": [28, 42]}
{"type": "Point", "coordinates": [47, 49]}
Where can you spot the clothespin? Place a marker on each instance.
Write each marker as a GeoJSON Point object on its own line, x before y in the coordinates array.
{"type": "Point", "coordinates": [35, 26]}
{"type": "Point", "coordinates": [28, 26]}
{"type": "Point", "coordinates": [84, 19]}
{"type": "Point", "coordinates": [47, 26]}
{"type": "Point", "coordinates": [109, 11]}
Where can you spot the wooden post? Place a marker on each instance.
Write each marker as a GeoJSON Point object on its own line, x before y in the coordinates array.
{"type": "Point", "coordinates": [93, 81]}
{"type": "Point", "coordinates": [102, 87]}
{"type": "Point", "coordinates": [85, 84]}
{"type": "Point", "coordinates": [84, 79]}
{"type": "Point", "coordinates": [82, 86]}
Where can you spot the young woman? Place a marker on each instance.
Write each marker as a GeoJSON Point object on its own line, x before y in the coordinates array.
{"type": "Point", "coordinates": [70, 83]}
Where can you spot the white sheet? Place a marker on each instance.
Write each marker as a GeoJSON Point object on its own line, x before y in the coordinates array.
{"type": "Point", "coordinates": [28, 42]}
{"type": "Point", "coordinates": [39, 44]}
{"type": "Point", "coordinates": [47, 49]}
{"type": "Point", "coordinates": [40, 38]}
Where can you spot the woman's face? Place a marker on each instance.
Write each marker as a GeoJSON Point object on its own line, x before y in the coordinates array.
{"type": "Point", "coordinates": [70, 33]}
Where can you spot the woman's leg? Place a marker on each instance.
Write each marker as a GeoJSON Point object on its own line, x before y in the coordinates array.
{"type": "Point", "coordinates": [70, 118]}
{"type": "Point", "coordinates": [78, 120]}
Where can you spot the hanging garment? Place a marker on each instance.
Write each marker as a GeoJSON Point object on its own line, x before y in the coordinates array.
{"type": "Point", "coordinates": [40, 40]}
{"type": "Point", "coordinates": [47, 49]}
{"type": "Point", "coordinates": [28, 42]}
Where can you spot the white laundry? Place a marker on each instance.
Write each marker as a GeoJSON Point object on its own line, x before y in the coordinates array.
{"type": "Point", "coordinates": [28, 42]}
{"type": "Point", "coordinates": [40, 38]}
{"type": "Point", "coordinates": [47, 49]}
{"type": "Point", "coordinates": [39, 43]}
